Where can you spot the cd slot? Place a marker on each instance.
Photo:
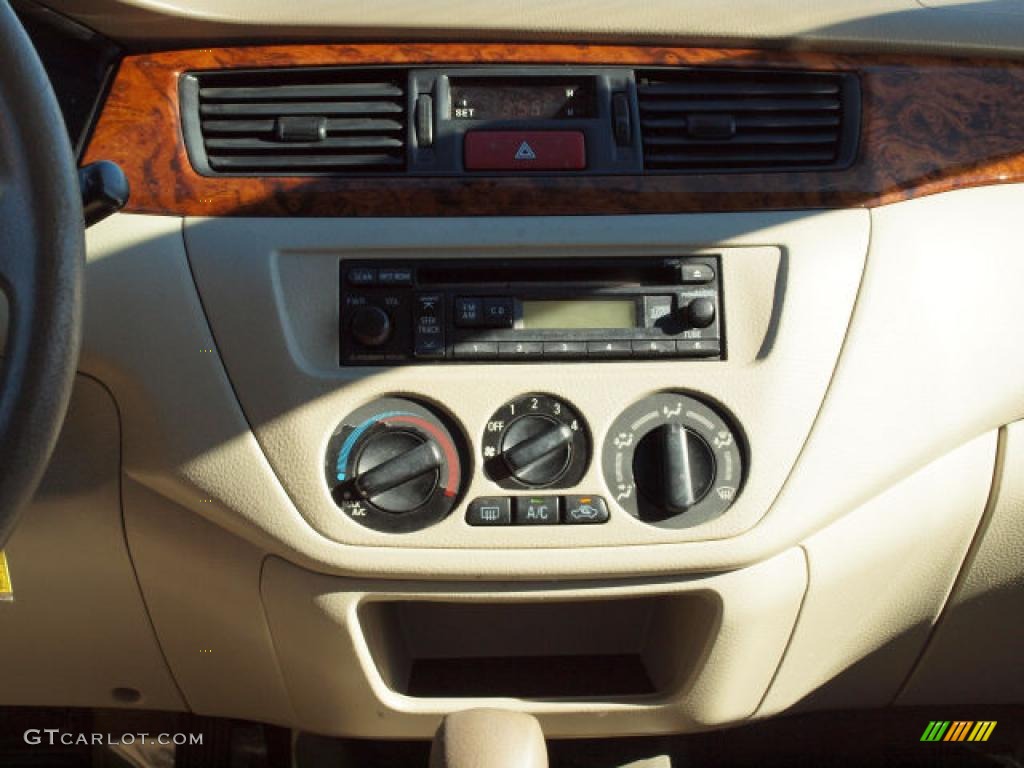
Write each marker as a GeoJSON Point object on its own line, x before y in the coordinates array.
{"type": "Point", "coordinates": [500, 272]}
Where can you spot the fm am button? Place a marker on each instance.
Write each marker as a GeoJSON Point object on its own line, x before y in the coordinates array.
{"type": "Point", "coordinates": [525, 151]}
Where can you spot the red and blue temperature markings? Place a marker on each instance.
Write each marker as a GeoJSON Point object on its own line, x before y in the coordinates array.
{"type": "Point", "coordinates": [389, 418]}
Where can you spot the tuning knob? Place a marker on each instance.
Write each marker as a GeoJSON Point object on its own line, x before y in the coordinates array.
{"type": "Point", "coordinates": [673, 468]}
{"type": "Point", "coordinates": [371, 326]}
{"type": "Point", "coordinates": [536, 441]}
{"type": "Point", "coordinates": [700, 313]}
{"type": "Point", "coordinates": [394, 466]}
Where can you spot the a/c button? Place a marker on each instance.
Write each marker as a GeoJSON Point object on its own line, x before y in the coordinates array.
{"type": "Point", "coordinates": [536, 510]}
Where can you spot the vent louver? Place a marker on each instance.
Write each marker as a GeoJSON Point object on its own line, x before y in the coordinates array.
{"type": "Point", "coordinates": [296, 121]}
{"type": "Point", "coordinates": [743, 120]}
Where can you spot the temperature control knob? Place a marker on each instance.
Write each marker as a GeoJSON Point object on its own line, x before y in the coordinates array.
{"type": "Point", "coordinates": [394, 465]}
{"type": "Point", "coordinates": [536, 441]}
{"type": "Point", "coordinates": [673, 461]}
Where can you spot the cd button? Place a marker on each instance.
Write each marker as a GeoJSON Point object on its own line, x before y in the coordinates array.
{"type": "Point", "coordinates": [476, 349]}
{"type": "Point", "coordinates": [566, 349]}
{"type": "Point", "coordinates": [498, 313]}
{"type": "Point", "coordinates": [526, 349]}
{"type": "Point", "coordinates": [654, 348]}
{"type": "Point", "coordinates": [609, 349]}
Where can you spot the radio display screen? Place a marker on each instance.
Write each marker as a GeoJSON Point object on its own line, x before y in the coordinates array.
{"type": "Point", "coordinates": [489, 99]}
{"type": "Point", "coordinates": [598, 314]}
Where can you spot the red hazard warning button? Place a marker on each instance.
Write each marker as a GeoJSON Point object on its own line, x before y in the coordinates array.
{"type": "Point", "coordinates": [525, 151]}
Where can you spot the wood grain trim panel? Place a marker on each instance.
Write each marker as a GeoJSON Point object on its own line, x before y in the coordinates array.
{"type": "Point", "coordinates": [929, 125]}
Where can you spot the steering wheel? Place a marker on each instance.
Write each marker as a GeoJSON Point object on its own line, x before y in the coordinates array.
{"type": "Point", "coordinates": [42, 263]}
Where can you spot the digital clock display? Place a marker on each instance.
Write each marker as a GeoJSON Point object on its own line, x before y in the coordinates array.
{"type": "Point", "coordinates": [489, 99]}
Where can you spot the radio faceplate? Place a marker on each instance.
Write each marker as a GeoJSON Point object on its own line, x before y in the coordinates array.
{"type": "Point", "coordinates": [461, 311]}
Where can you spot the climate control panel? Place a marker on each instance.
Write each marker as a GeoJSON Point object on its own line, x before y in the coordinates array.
{"type": "Point", "coordinates": [670, 460]}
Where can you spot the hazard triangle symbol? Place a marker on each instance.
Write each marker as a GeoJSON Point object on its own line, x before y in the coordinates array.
{"type": "Point", "coordinates": [525, 152]}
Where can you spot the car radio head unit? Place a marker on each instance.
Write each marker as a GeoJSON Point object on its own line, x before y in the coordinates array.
{"type": "Point", "coordinates": [530, 309]}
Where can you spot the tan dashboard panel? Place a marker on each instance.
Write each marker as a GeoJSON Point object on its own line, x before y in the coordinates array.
{"type": "Point", "coordinates": [932, 364]}
{"type": "Point", "coordinates": [974, 655]}
{"type": "Point", "coordinates": [77, 632]}
{"type": "Point", "coordinates": [878, 579]}
{"type": "Point", "coordinates": [272, 296]}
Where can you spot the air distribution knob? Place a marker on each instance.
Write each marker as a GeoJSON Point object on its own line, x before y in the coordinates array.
{"type": "Point", "coordinates": [673, 468]}
{"type": "Point", "coordinates": [371, 326]}
{"type": "Point", "coordinates": [394, 465]}
{"type": "Point", "coordinates": [673, 461]}
{"type": "Point", "coordinates": [536, 441]}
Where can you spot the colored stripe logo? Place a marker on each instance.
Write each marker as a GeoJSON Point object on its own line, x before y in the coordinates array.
{"type": "Point", "coordinates": [958, 730]}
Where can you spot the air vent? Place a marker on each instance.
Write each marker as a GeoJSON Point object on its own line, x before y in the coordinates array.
{"type": "Point", "coordinates": [743, 120]}
{"type": "Point", "coordinates": [296, 122]}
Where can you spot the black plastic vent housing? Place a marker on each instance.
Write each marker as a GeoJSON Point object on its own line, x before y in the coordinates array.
{"type": "Point", "coordinates": [701, 120]}
{"type": "Point", "coordinates": [296, 122]}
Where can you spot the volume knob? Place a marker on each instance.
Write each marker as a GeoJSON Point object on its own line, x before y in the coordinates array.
{"type": "Point", "coordinates": [371, 326]}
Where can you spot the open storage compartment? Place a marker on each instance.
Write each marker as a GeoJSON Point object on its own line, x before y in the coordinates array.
{"type": "Point", "coordinates": [608, 649]}
{"type": "Point", "coordinates": [372, 659]}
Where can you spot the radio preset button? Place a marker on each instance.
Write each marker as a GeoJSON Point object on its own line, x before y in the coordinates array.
{"type": "Point", "coordinates": [520, 349]}
{"type": "Point", "coordinates": [699, 347]}
{"type": "Point", "coordinates": [609, 349]}
{"type": "Point", "coordinates": [498, 313]}
{"type": "Point", "coordinates": [654, 348]}
{"type": "Point", "coordinates": [469, 313]}
{"type": "Point", "coordinates": [477, 349]}
{"type": "Point", "coordinates": [536, 510]}
{"type": "Point", "coordinates": [565, 349]}
{"type": "Point", "coordinates": [696, 273]}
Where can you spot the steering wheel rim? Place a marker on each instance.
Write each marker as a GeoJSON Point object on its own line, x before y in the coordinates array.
{"type": "Point", "coordinates": [42, 262]}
